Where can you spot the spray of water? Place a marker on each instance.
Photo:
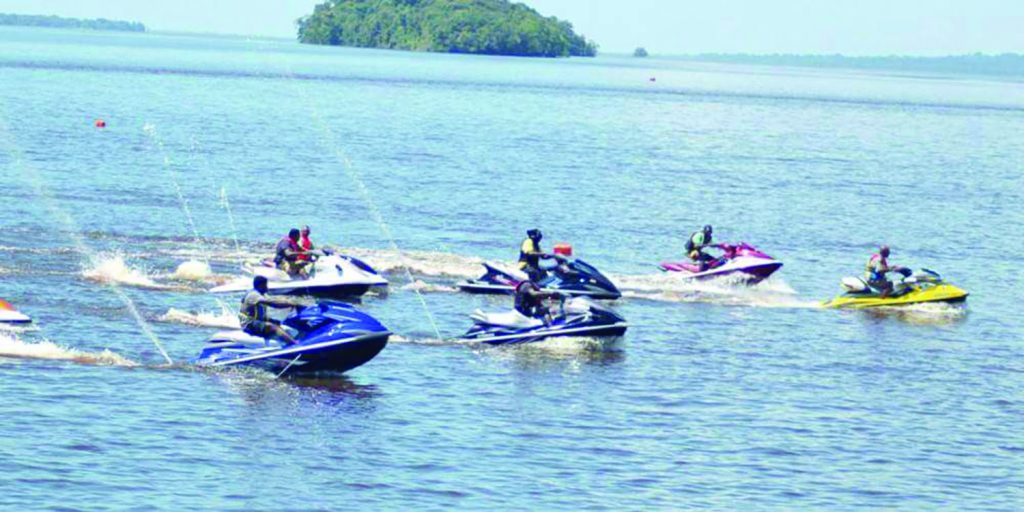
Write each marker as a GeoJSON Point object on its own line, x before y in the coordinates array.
{"type": "Point", "coordinates": [158, 142]}
{"type": "Point", "coordinates": [42, 190]}
{"type": "Point", "coordinates": [331, 142]}
{"type": "Point", "coordinates": [224, 203]}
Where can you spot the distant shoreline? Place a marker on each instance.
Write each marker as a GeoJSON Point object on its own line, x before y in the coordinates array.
{"type": "Point", "coordinates": [42, 21]}
{"type": "Point", "coordinates": [1006, 64]}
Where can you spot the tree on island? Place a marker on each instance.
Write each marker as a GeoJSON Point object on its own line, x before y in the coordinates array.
{"type": "Point", "coordinates": [493, 27]}
{"type": "Point", "coordinates": [640, 52]}
{"type": "Point", "coordinates": [24, 20]}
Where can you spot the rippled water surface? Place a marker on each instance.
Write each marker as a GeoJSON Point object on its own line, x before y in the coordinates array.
{"type": "Point", "coordinates": [718, 398]}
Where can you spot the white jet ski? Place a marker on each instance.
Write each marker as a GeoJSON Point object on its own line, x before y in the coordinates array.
{"type": "Point", "coordinates": [331, 275]}
{"type": "Point", "coordinates": [9, 315]}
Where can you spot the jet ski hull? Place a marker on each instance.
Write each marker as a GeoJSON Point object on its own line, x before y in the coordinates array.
{"type": "Point", "coordinates": [336, 277]}
{"type": "Point", "coordinates": [739, 261]}
{"type": "Point", "coordinates": [751, 274]}
{"type": "Point", "coordinates": [326, 291]}
{"type": "Point", "coordinates": [582, 280]}
{"type": "Point", "coordinates": [607, 331]}
{"type": "Point", "coordinates": [578, 317]}
{"type": "Point", "coordinates": [9, 315]}
{"type": "Point", "coordinates": [332, 338]}
{"type": "Point", "coordinates": [336, 356]}
{"type": "Point", "coordinates": [941, 293]}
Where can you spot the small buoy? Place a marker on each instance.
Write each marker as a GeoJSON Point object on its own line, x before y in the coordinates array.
{"type": "Point", "coordinates": [101, 123]}
{"type": "Point", "coordinates": [654, 79]}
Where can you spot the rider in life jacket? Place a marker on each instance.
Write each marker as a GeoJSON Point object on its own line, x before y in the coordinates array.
{"type": "Point", "coordinates": [287, 254]}
{"type": "Point", "coordinates": [876, 269]}
{"type": "Point", "coordinates": [305, 244]}
{"type": "Point", "coordinates": [253, 313]}
{"type": "Point", "coordinates": [695, 246]}
{"type": "Point", "coordinates": [530, 255]}
{"type": "Point", "coordinates": [529, 301]}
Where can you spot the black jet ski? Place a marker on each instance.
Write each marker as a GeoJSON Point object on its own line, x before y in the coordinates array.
{"type": "Point", "coordinates": [577, 317]}
{"type": "Point", "coordinates": [570, 277]}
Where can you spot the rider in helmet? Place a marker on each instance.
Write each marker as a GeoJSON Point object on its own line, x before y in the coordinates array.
{"type": "Point", "coordinates": [876, 269]}
{"type": "Point", "coordinates": [253, 313]}
{"type": "Point", "coordinates": [530, 255]}
{"type": "Point", "coordinates": [695, 246]}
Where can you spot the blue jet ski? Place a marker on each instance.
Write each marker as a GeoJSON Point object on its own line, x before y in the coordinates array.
{"type": "Point", "coordinates": [571, 277]}
{"type": "Point", "coordinates": [332, 338]}
{"type": "Point", "coordinates": [578, 317]}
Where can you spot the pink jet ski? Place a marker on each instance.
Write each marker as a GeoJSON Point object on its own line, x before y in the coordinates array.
{"type": "Point", "coordinates": [742, 260]}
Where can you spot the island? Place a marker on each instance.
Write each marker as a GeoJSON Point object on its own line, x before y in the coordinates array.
{"type": "Point", "coordinates": [490, 27]}
{"type": "Point", "coordinates": [640, 52]}
{"type": "Point", "coordinates": [25, 20]}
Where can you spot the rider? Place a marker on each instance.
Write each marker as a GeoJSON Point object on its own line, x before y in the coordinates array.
{"type": "Point", "coordinates": [529, 301]}
{"type": "Point", "coordinates": [305, 244]}
{"type": "Point", "coordinates": [287, 255]}
{"type": "Point", "coordinates": [876, 269]}
{"type": "Point", "coordinates": [253, 313]}
{"type": "Point", "coordinates": [530, 255]}
{"type": "Point", "coordinates": [695, 246]}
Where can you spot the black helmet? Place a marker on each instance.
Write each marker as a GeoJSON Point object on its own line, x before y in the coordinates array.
{"type": "Point", "coordinates": [535, 234]}
{"type": "Point", "coordinates": [259, 283]}
{"type": "Point", "coordinates": [884, 251]}
{"type": "Point", "coordinates": [707, 228]}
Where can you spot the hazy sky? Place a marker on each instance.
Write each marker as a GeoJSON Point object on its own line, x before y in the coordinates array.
{"type": "Point", "coordinates": [855, 27]}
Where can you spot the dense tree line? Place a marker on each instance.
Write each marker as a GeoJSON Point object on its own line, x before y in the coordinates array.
{"type": "Point", "coordinates": [495, 27]}
{"type": "Point", "coordinates": [58, 22]}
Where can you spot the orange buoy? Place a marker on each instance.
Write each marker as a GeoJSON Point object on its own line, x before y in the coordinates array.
{"type": "Point", "coordinates": [101, 123]}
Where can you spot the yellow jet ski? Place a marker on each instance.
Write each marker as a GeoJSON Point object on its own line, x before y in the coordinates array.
{"type": "Point", "coordinates": [914, 288]}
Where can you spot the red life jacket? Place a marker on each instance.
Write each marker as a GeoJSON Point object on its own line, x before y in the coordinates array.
{"type": "Point", "coordinates": [306, 244]}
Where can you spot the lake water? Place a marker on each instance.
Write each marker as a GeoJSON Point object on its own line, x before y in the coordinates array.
{"type": "Point", "coordinates": [718, 397]}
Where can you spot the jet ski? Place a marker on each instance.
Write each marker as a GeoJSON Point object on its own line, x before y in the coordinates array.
{"type": "Point", "coordinates": [576, 316]}
{"type": "Point", "coordinates": [911, 288]}
{"type": "Point", "coordinates": [571, 277]}
{"type": "Point", "coordinates": [738, 261]}
{"type": "Point", "coordinates": [331, 275]}
{"type": "Point", "coordinates": [332, 337]}
{"type": "Point", "coordinates": [9, 315]}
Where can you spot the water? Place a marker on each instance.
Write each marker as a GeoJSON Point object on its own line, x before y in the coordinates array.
{"type": "Point", "coordinates": [718, 398]}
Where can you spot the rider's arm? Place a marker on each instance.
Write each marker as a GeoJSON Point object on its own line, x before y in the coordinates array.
{"type": "Point", "coordinates": [277, 302]}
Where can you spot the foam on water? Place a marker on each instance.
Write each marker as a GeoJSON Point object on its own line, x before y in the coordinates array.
{"type": "Point", "coordinates": [425, 263]}
{"type": "Point", "coordinates": [111, 268]}
{"type": "Point", "coordinates": [226, 318]}
{"type": "Point", "coordinates": [425, 287]}
{"type": "Point", "coordinates": [193, 270]}
{"type": "Point", "coordinates": [13, 347]}
{"type": "Point", "coordinates": [932, 313]}
{"type": "Point", "coordinates": [669, 287]}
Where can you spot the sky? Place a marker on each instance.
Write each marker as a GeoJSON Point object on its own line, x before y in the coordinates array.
{"type": "Point", "coordinates": [851, 27]}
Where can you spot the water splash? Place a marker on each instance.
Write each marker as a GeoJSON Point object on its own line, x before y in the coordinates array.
{"type": "Point", "coordinates": [13, 347]}
{"type": "Point", "coordinates": [225, 318]}
{"type": "Point", "coordinates": [425, 287]}
{"type": "Point", "coordinates": [669, 287]}
{"type": "Point", "coordinates": [111, 268]}
{"type": "Point", "coordinates": [193, 270]}
{"type": "Point", "coordinates": [331, 143]}
{"type": "Point", "coordinates": [224, 203]}
{"type": "Point", "coordinates": [45, 194]}
{"type": "Point", "coordinates": [151, 132]}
